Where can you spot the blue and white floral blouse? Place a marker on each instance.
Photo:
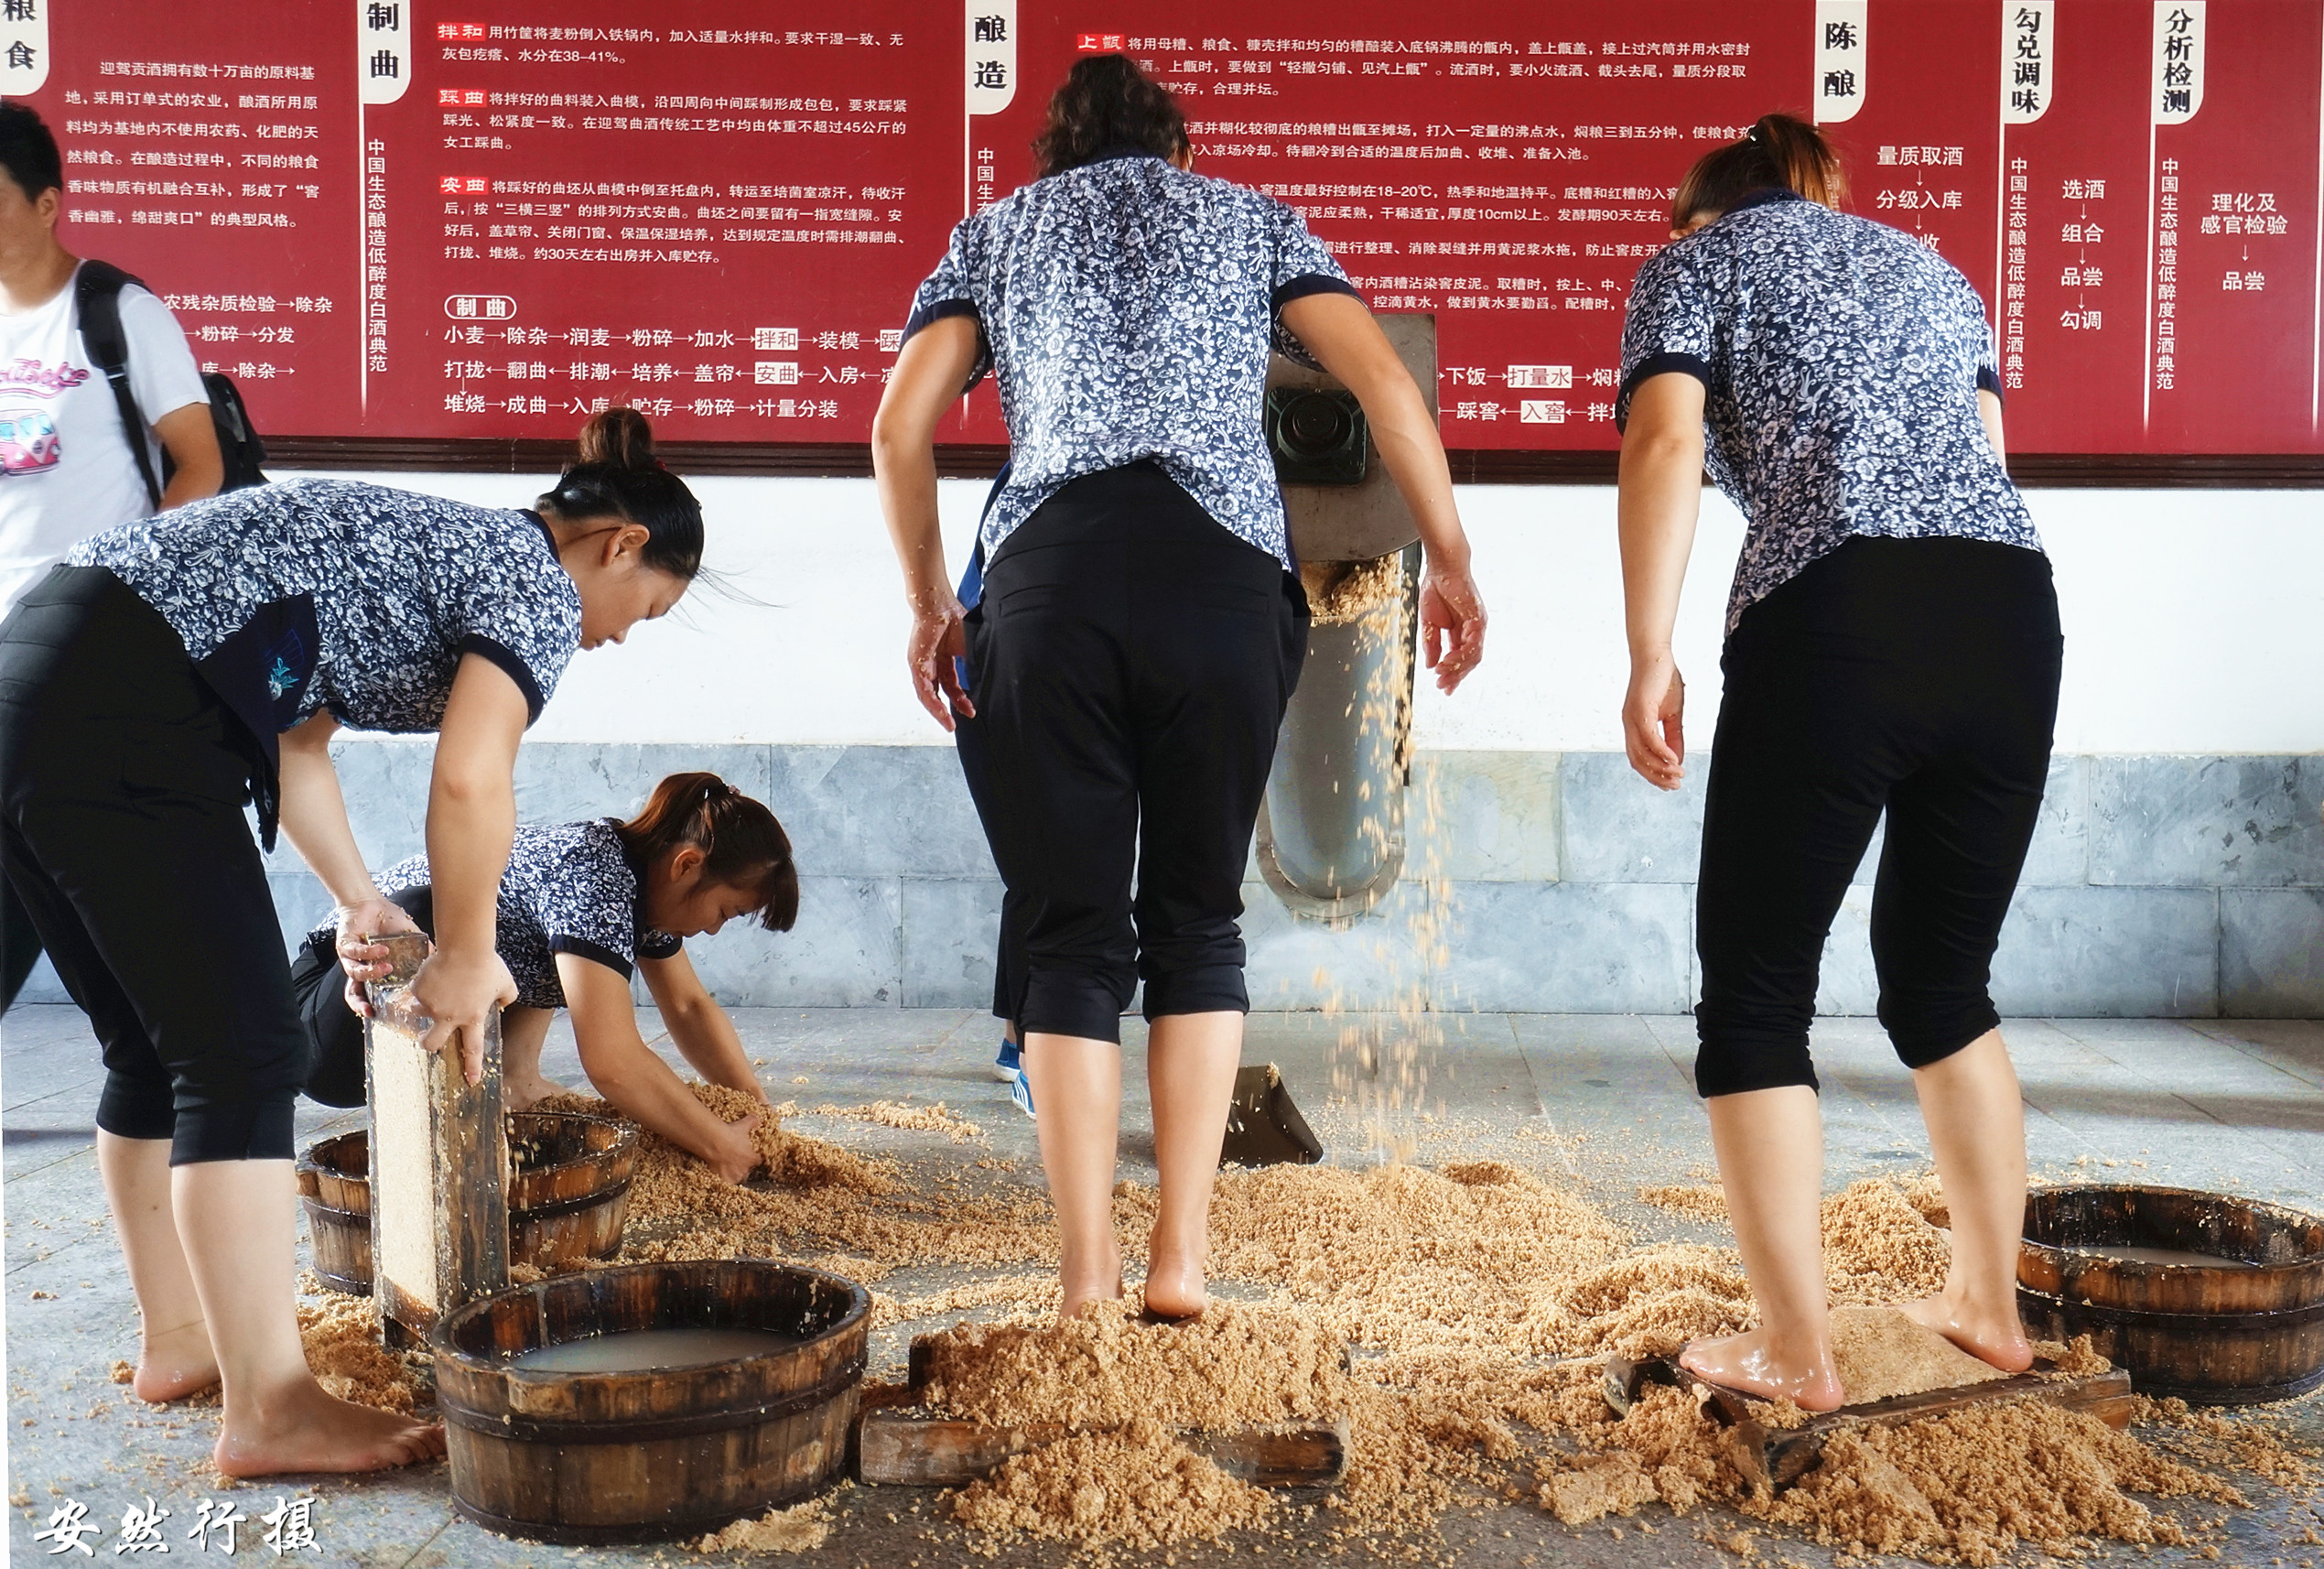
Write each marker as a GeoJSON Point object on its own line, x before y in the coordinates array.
{"type": "Point", "coordinates": [569, 888]}
{"type": "Point", "coordinates": [1841, 361]}
{"type": "Point", "coordinates": [1127, 308]}
{"type": "Point", "coordinates": [327, 593]}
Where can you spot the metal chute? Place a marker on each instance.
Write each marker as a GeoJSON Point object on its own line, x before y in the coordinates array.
{"type": "Point", "coordinates": [1331, 829]}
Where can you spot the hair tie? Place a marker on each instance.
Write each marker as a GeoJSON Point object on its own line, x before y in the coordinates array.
{"type": "Point", "coordinates": [1754, 136]}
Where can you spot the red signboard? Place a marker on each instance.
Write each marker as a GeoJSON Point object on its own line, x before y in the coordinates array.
{"type": "Point", "coordinates": [413, 219]}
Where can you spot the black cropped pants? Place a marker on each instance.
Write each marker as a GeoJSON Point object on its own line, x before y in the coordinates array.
{"type": "Point", "coordinates": [1917, 678]}
{"type": "Point", "coordinates": [1129, 661]}
{"type": "Point", "coordinates": [122, 785]}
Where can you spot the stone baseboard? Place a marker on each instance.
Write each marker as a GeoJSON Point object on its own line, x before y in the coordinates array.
{"type": "Point", "coordinates": [2165, 886]}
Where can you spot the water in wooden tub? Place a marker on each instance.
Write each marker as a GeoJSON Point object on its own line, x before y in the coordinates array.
{"type": "Point", "coordinates": [2126, 1253]}
{"type": "Point", "coordinates": [650, 1350]}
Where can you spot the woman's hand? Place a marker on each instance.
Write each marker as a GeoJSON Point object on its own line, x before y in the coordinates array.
{"type": "Point", "coordinates": [457, 990]}
{"type": "Point", "coordinates": [937, 638]}
{"type": "Point", "coordinates": [1452, 625]}
{"type": "Point", "coordinates": [1653, 716]}
{"type": "Point", "coordinates": [361, 957]}
{"type": "Point", "coordinates": [737, 1153]}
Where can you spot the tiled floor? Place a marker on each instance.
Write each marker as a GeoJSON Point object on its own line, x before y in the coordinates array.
{"type": "Point", "coordinates": [2218, 1104]}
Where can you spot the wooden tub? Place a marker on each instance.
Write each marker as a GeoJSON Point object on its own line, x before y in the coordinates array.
{"type": "Point", "coordinates": [334, 1186]}
{"type": "Point", "coordinates": [569, 1195]}
{"type": "Point", "coordinates": [2215, 1336]}
{"type": "Point", "coordinates": [568, 1188]}
{"type": "Point", "coordinates": [595, 1458]}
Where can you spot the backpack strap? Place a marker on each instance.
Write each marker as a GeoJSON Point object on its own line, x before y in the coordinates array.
{"type": "Point", "coordinates": [97, 299]}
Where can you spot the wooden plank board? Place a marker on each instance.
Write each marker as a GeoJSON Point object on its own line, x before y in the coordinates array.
{"type": "Point", "coordinates": [1775, 1457]}
{"type": "Point", "coordinates": [439, 1168]}
{"type": "Point", "coordinates": [910, 1448]}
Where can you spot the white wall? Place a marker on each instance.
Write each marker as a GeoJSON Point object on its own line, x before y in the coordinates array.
{"type": "Point", "coordinates": [2194, 622]}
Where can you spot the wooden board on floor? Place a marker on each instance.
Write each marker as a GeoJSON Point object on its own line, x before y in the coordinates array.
{"type": "Point", "coordinates": [912, 1448]}
{"type": "Point", "coordinates": [1775, 1457]}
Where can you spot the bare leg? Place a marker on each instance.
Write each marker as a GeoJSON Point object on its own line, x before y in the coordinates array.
{"type": "Point", "coordinates": [234, 1223]}
{"type": "Point", "coordinates": [523, 1031]}
{"type": "Point", "coordinates": [174, 1355]}
{"type": "Point", "coordinates": [1977, 1127]}
{"type": "Point", "coordinates": [1077, 1083]}
{"type": "Point", "coordinates": [1190, 1069]}
{"type": "Point", "coordinates": [1770, 1144]}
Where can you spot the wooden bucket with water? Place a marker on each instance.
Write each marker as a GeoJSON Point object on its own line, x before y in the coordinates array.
{"type": "Point", "coordinates": [607, 1457]}
{"type": "Point", "coordinates": [2241, 1332]}
{"type": "Point", "coordinates": [569, 1195]}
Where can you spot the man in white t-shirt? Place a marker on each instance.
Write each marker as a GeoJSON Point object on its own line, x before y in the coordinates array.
{"type": "Point", "coordinates": [66, 469]}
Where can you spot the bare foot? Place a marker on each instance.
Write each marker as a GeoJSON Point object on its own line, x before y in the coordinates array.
{"type": "Point", "coordinates": [523, 1095]}
{"type": "Point", "coordinates": [1997, 1339]}
{"type": "Point", "coordinates": [1749, 1362]}
{"type": "Point", "coordinates": [306, 1430]}
{"type": "Point", "coordinates": [1175, 1286]}
{"type": "Point", "coordinates": [174, 1364]}
{"type": "Point", "coordinates": [1100, 1281]}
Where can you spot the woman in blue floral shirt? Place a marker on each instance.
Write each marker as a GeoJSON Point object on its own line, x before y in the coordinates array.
{"type": "Point", "coordinates": [583, 908]}
{"type": "Point", "coordinates": [1141, 625]}
{"type": "Point", "coordinates": [153, 685]}
{"type": "Point", "coordinates": [1893, 646]}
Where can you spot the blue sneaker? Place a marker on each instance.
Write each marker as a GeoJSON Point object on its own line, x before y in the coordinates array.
{"type": "Point", "coordinates": [1021, 1091]}
{"type": "Point", "coordinates": [1010, 1063]}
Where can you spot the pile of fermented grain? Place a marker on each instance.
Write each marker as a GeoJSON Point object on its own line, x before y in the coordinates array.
{"type": "Point", "coordinates": [1476, 1301]}
{"type": "Point", "coordinates": [1463, 1289]}
{"type": "Point", "coordinates": [341, 1336]}
{"type": "Point", "coordinates": [861, 1215]}
{"type": "Point", "coordinates": [1339, 592]}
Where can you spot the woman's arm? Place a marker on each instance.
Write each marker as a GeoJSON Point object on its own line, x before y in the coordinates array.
{"type": "Point", "coordinates": [471, 819]}
{"type": "Point", "coordinates": [1340, 331]}
{"type": "Point", "coordinates": [1661, 497]}
{"type": "Point", "coordinates": [314, 818]}
{"type": "Point", "coordinates": [930, 371]}
{"type": "Point", "coordinates": [627, 1072]}
{"type": "Point", "coordinates": [698, 1027]}
{"type": "Point", "coordinates": [1989, 414]}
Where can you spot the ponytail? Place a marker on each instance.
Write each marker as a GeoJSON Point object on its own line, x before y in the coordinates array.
{"type": "Point", "coordinates": [1779, 152]}
{"type": "Point", "coordinates": [619, 476]}
{"type": "Point", "coordinates": [742, 846]}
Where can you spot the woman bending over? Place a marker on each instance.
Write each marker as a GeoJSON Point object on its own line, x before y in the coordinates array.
{"type": "Point", "coordinates": [581, 905]}
{"type": "Point", "coordinates": [166, 675]}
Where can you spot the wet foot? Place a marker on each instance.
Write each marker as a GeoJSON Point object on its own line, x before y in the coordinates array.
{"type": "Point", "coordinates": [1175, 1287]}
{"type": "Point", "coordinates": [1749, 1362]}
{"type": "Point", "coordinates": [175, 1364]}
{"type": "Point", "coordinates": [523, 1095]}
{"type": "Point", "coordinates": [1996, 1340]}
{"type": "Point", "coordinates": [306, 1430]}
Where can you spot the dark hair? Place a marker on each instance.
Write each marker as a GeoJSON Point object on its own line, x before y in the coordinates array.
{"type": "Point", "coordinates": [28, 151]}
{"type": "Point", "coordinates": [1106, 103]}
{"type": "Point", "coordinates": [1779, 152]}
{"type": "Point", "coordinates": [742, 846]}
{"type": "Point", "coordinates": [619, 476]}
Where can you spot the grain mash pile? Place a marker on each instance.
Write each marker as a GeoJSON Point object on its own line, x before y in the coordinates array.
{"type": "Point", "coordinates": [1457, 1320]}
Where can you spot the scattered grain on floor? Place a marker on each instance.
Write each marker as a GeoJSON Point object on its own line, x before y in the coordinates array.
{"type": "Point", "coordinates": [802, 1528]}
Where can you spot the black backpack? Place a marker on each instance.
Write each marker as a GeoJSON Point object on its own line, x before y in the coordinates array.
{"type": "Point", "coordinates": [97, 293]}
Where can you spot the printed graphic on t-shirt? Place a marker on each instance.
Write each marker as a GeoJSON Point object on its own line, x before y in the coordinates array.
{"type": "Point", "coordinates": [29, 443]}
